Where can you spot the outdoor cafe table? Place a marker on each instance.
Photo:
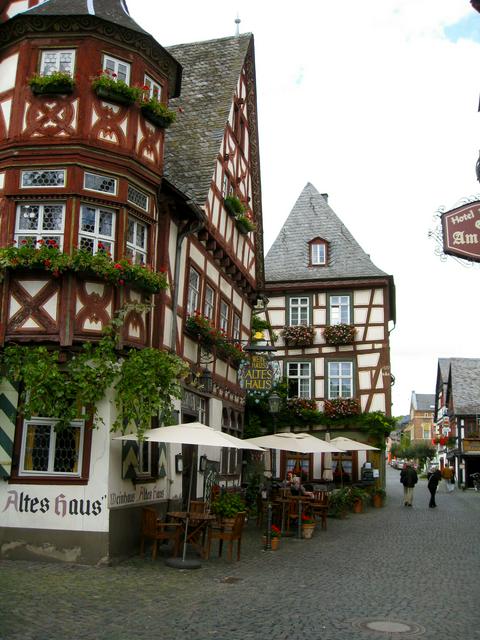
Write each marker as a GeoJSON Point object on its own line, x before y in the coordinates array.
{"type": "Point", "coordinates": [198, 524]}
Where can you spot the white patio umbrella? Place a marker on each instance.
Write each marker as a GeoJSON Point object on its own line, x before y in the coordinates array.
{"type": "Point", "coordinates": [327, 473]}
{"type": "Point", "coordinates": [298, 442]}
{"type": "Point", "coordinates": [194, 433]}
{"type": "Point", "coordinates": [350, 445]}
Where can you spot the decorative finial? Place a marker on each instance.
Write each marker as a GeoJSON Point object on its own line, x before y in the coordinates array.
{"type": "Point", "coordinates": [237, 22]}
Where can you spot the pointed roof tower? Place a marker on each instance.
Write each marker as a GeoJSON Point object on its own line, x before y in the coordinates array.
{"type": "Point", "coordinates": [311, 217]}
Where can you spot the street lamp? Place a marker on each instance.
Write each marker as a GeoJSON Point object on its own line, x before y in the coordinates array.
{"type": "Point", "coordinates": [274, 402]}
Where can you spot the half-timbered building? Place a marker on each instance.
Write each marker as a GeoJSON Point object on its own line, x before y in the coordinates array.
{"type": "Point", "coordinates": [332, 310]}
{"type": "Point", "coordinates": [84, 169]}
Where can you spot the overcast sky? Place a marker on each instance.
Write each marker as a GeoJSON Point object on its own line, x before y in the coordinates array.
{"type": "Point", "coordinates": [374, 103]}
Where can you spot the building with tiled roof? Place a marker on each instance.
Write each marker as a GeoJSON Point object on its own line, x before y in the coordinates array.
{"type": "Point", "coordinates": [332, 310]}
{"type": "Point", "coordinates": [420, 425]}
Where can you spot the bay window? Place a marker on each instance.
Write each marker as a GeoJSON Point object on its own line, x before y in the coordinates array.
{"type": "Point", "coordinates": [97, 229]}
{"type": "Point", "coordinates": [137, 236]}
{"type": "Point", "coordinates": [55, 60]}
{"type": "Point", "coordinates": [36, 223]}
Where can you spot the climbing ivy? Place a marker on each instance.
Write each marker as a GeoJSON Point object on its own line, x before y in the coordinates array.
{"type": "Point", "coordinates": [68, 386]}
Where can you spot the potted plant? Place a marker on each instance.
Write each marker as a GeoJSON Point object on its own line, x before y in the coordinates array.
{"type": "Point", "coordinates": [200, 327]}
{"type": "Point", "coordinates": [337, 334]}
{"type": "Point", "coordinates": [59, 82]}
{"type": "Point", "coordinates": [275, 534]}
{"type": "Point", "coordinates": [157, 113]}
{"type": "Point", "coordinates": [226, 506]}
{"type": "Point", "coordinates": [378, 496]}
{"type": "Point", "coordinates": [308, 526]}
{"type": "Point", "coordinates": [358, 497]}
{"type": "Point", "coordinates": [300, 335]}
{"type": "Point", "coordinates": [339, 503]}
{"type": "Point", "coordinates": [244, 223]}
{"type": "Point", "coordinates": [234, 205]}
{"type": "Point", "coordinates": [108, 87]}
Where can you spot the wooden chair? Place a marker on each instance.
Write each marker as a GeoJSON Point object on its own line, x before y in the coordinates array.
{"type": "Point", "coordinates": [319, 506]}
{"type": "Point", "coordinates": [221, 534]}
{"type": "Point", "coordinates": [154, 529]}
{"type": "Point", "coordinates": [198, 506]}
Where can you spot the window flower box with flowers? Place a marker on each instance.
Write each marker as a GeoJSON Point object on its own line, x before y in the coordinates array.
{"type": "Point", "coordinates": [108, 87]}
{"type": "Point", "coordinates": [301, 335]}
{"type": "Point", "coordinates": [338, 334]}
{"type": "Point", "coordinates": [341, 407]}
{"type": "Point", "coordinates": [59, 82]}
{"type": "Point", "coordinates": [157, 113]}
{"type": "Point", "coordinates": [234, 206]}
{"type": "Point", "coordinates": [298, 405]}
{"type": "Point", "coordinates": [244, 223]}
{"type": "Point", "coordinates": [201, 328]}
{"type": "Point", "coordinates": [48, 257]}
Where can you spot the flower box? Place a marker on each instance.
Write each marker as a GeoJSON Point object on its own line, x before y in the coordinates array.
{"type": "Point", "coordinates": [58, 83]}
{"type": "Point", "coordinates": [157, 113]}
{"type": "Point", "coordinates": [234, 206]}
{"type": "Point", "coordinates": [338, 334]}
{"type": "Point", "coordinates": [299, 335]}
{"type": "Point", "coordinates": [341, 407]}
{"type": "Point", "coordinates": [113, 95]}
{"type": "Point", "coordinates": [244, 224]}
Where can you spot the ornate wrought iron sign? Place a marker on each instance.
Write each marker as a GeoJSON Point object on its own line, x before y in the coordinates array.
{"type": "Point", "coordinates": [461, 231]}
{"type": "Point", "coordinates": [259, 374]}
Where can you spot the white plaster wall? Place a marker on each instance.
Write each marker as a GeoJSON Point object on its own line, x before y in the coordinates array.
{"type": "Point", "coordinates": [212, 272]}
{"type": "Point", "coordinates": [377, 315]}
{"type": "Point", "coordinates": [364, 380]}
{"type": "Point", "coordinates": [8, 72]}
{"type": "Point", "coordinates": [226, 288]}
{"type": "Point", "coordinates": [196, 256]}
{"type": "Point", "coordinates": [167, 331]}
{"type": "Point", "coordinates": [277, 318]}
{"type": "Point", "coordinates": [2, 180]}
{"type": "Point", "coordinates": [375, 333]}
{"type": "Point", "coordinates": [320, 317]}
{"type": "Point", "coordinates": [368, 360]}
{"type": "Point", "coordinates": [378, 402]}
{"type": "Point", "coordinates": [360, 315]}
{"type": "Point", "coordinates": [62, 503]}
{"type": "Point", "coordinates": [361, 297]}
{"type": "Point", "coordinates": [378, 297]}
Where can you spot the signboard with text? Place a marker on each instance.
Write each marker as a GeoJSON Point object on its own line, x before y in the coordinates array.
{"type": "Point", "coordinates": [259, 374]}
{"type": "Point", "coordinates": [461, 231]}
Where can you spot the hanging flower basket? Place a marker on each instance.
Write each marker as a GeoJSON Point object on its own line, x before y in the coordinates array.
{"type": "Point", "coordinates": [57, 83]}
{"type": "Point", "coordinates": [299, 335]}
{"type": "Point", "coordinates": [338, 334]}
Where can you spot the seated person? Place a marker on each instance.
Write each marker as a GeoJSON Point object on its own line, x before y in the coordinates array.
{"type": "Point", "coordinates": [299, 489]}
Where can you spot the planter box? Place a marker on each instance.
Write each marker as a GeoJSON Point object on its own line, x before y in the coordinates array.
{"type": "Point", "coordinates": [113, 96]}
{"type": "Point", "coordinates": [54, 88]}
{"type": "Point", "coordinates": [242, 228]}
{"type": "Point", "coordinates": [155, 118]}
{"type": "Point", "coordinates": [307, 531]}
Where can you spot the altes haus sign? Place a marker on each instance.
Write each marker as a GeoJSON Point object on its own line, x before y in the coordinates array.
{"type": "Point", "coordinates": [461, 231]}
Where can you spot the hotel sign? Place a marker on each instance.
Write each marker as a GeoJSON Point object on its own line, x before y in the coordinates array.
{"type": "Point", "coordinates": [461, 231]}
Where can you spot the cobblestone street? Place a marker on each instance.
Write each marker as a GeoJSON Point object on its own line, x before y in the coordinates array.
{"type": "Point", "coordinates": [380, 574]}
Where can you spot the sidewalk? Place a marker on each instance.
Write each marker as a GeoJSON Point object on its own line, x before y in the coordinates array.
{"type": "Point", "coordinates": [369, 576]}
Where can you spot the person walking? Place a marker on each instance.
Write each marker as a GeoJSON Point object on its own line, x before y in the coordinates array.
{"type": "Point", "coordinates": [409, 478]}
{"type": "Point", "coordinates": [434, 477]}
{"type": "Point", "coordinates": [448, 478]}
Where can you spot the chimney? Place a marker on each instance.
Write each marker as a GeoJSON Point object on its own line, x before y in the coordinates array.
{"type": "Point", "coordinates": [325, 196]}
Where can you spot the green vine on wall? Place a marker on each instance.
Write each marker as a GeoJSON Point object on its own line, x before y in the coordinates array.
{"type": "Point", "coordinates": [144, 380]}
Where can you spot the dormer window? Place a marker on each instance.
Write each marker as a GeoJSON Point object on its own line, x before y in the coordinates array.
{"type": "Point", "coordinates": [318, 253]}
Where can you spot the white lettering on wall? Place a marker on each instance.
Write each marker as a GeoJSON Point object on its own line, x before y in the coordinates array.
{"type": "Point", "coordinates": [24, 503]}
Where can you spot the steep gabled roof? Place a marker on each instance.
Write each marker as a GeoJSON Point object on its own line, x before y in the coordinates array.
{"type": "Point", "coordinates": [115, 11]}
{"type": "Point", "coordinates": [464, 385]}
{"type": "Point", "coordinates": [288, 258]}
{"type": "Point", "coordinates": [423, 401]}
{"type": "Point", "coordinates": [211, 70]}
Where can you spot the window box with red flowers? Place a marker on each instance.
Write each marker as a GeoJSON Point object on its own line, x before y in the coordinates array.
{"type": "Point", "coordinates": [297, 405]}
{"type": "Point", "coordinates": [49, 257]}
{"type": "Point", "coordinates": [200, 328]}
{"type": "Point", "coordinates": [338, 334]}
{"type": "Point", "coordinates": [157, 113]}
{"type": "Point", "coordinates": [301, 335]}
{"type": "Point", "coordinates": [231, 351]}
{"type": "Point", "coordinates": [108, 87]}
{"type": "Point", "coordinates": [341, 407]}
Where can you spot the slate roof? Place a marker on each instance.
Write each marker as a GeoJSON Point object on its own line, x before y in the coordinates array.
{"type": "Point", "coordinates": [115, 11]}
{"type": "Point", "coordinates": [311, 216]}
{"type": "Point", "coordinates": [211, 70]}
{"type": "Point", "coordinates": [464, 385]}
{"type": "Point", "coordinates": [423, 401]}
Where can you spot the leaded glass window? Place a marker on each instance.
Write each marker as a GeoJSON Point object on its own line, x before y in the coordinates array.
{"type": "Point", "coordinates": [136, 241]}
{"type": "Point", "coordinates": [40, 223]}
{"type": "Point", "coordinates": [97, 229]}
{"type": "Point", "coordinates": [103, 184]}
{"type": "Point", "coordinates": [43, 178]}
{"type": "Point", "coordinates": [46, 451]}
{"type": "Point", "coordinates": [54, 60]}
